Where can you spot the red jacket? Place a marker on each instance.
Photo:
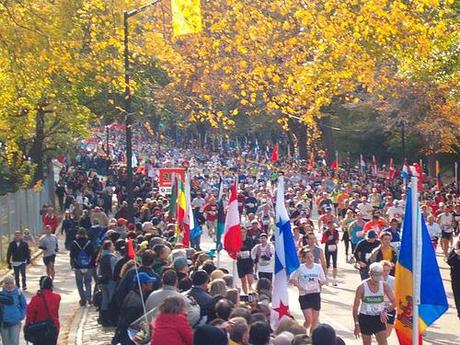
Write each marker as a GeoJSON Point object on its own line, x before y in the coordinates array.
{"type": "Point", "coordinates": [171, 329]}
{"type": "Point", "coordinates": [36, 310]}
{"type": "Point", "coordinates": [52, 221]}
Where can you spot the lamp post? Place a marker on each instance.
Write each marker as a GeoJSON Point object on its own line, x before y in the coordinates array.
{"type": "Point", "coordinates": [129, 118]}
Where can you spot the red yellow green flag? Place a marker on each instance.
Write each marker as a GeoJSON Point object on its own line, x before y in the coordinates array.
{"type": "Point", "coordinates": [186, 16]}
{"type": "Point", "coordinates": [180, 207]}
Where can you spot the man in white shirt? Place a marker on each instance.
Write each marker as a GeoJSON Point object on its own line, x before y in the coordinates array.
{"type": "Point", "coordinates": [446, 222]}
{"type": "Point", "coordinates": [366, 209]}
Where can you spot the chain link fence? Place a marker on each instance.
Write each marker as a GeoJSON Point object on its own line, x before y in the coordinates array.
{"type": "Point", "coordinates": [21, 210]}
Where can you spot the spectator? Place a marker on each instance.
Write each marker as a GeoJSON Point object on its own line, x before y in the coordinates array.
{"type": "Point", "coordinates": [171, 327]}
{"type": "Point", "coordinates": [259, 333]}
{"type": "Point", "coordinates": [13, 313]}
{"type": "Point", "coordinates": [217, 287]}
{"type": "Point", "coordinates": [82, 254]}
{"type": "Point", "coordinates": [239, 334]}
{"type": "Point", "coordinates": [454, 262]}
{"type": "Point", "coordinates": [68, 228]}
{"type": "Point", "coordinates": [50, 219]}
{"type": "Point", "coordinates": [18, 256]}
{"type": "Point", "coordinates": [107, 283]}
{"type": "Point", "coordinates": [207, 334]}
{"type": "Point", "coordinates": [131, 308]}
{"type": "Point", "coordinates": [44, 306]}
{"type": "Point", "coordinates": [323, 335]}
{"type": "Point", "coordinates": [200, 281]}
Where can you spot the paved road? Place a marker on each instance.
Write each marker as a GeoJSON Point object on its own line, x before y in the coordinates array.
{"type": "Point", "coordinates": [64, 284]}
{"type": "Point", "coordinates": [336, 308]}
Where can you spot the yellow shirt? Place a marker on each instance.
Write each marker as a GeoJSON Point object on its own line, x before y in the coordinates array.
{"type": "Point", "coordinates": [387, 254]}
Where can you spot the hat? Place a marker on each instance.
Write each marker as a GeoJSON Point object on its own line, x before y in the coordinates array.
{"type": "Point", "coordinates": [207, 334]}
{"type": "Point", "coordinates": [144, 278]}
{"type": "Point", "coordinates": [371, 234]}
{"type": "Point", "coordinates": [122, 221]}
{"type": "Point", "coordinates": [263, 235]}
{"type": "Point", "coordinates": [323, 334]}
{"type": "Point", "coordinates": [200, 277]}
{"type": "Point", "coordinates": [376, 267]}
{"type": "Point", "coordinates": [180, 263]}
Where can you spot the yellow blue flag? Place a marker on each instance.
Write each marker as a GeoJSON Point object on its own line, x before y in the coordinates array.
{"type": "Point", "coordinates": [186, 16]}
{"type": "Point", "coordinates": [433, 301]}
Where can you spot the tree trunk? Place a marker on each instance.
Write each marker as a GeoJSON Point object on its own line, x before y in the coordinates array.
{"type": "Point", "coordinates": [299, 131]}
{"type": "Point", "coordinates": [37, 149]}
{"type": "Point", "coordinates": [328, 137]}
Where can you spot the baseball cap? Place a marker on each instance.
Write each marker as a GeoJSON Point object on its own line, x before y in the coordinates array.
{"type": "Point", "coordinates": [122, 221]}
{"type": "Point", "coordinates": [144, 278]}
{"type": "Point", "coordinates": [371, 234]}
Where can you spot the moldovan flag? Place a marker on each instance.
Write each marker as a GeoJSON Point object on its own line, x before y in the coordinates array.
{"type": "Point", "coordinates": [181, 205]}
{"type": "Point", "coordinates": [186, 16]}
{"type": "Point", "coordinates": [432, 299]}
{"type": "Point", "coordinates": [232, 230]}
{"type": "Point", "coordinates": [189, 219]}
{"type": "Point", "coordinates": [286, 259]}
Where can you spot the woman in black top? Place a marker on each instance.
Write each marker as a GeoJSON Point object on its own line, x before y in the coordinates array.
{"type": "Point", "coordinates": [244, 262]}
{"type": "Point", "coordinates": [454, 262]}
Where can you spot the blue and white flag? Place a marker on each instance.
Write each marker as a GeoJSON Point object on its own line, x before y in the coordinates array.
{"type": "Point", "coordinates": [405, 172]}
{"type": "Point", "coordinates": [286, 259]}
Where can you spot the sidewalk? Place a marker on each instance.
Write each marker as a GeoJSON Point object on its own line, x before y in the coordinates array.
{"type": "Point", "coordinates": [64, 284]}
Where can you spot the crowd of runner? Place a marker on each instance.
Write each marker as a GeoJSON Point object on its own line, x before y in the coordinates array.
{"type": "Point", "coordinates": [182, 293]}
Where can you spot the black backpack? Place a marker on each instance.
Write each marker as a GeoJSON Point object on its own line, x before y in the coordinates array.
{"type": "Point", "coordinates": [105, 269]}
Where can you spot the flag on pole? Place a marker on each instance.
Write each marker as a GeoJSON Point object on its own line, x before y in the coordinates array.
{"type": "Point", "coordinates": [232, 229]}
{"type": "Point", "coordinates": [420, 268]}
{"type": "Point", "coordinates": [374, 166]}
{"type": "Point", "coordinates": [220, 216]}
{"type": "Point", "coordinates": [438, 175]}
{"type": "Point", "coordinates": [362, 163]}
{"type": "Point", "coordinates": [173, 198]}
{"type": "Point", "coordinates": [189, 219]}
{"type": "Point", "coordinates": [405, 172]}
{"type": "Point", "coordinates": [391, 171]}
{"type": "Point", "coordinates": [274, 156]}
{"type": "Point", "coordinates": [180, 207]}
{"type": "Point", "coordinates": [256, 150]}
{"type": "Point", "coordinates": [286, 260]}
{"type": "Point", "coordinates": [130, 253]}
{"type": "Point", "coordinates": [311, 163]}
{"type": "Point", "coordinates": [186, 17]}
{"type": "Point", "coordinates": [334, 165]}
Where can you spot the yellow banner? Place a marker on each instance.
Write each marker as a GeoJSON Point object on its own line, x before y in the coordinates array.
{"type": "Point", "coordinates": [186, 16]}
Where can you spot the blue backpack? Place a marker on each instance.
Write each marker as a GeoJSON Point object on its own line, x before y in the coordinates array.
{"type": "Point", "coordinates": [83, 260]}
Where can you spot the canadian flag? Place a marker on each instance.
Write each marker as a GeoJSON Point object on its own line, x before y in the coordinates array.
{"type": "Point", "coordinates": [232, 231]}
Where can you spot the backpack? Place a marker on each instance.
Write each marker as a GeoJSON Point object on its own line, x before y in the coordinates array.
{"type": "Point", "coordinates": [83, 259]}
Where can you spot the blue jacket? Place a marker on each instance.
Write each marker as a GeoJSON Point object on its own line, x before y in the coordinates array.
{"type": "Point", "coordinates": [15, 312]}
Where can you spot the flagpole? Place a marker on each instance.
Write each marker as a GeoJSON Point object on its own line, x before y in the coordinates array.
{"type": "Point", "coordinates": [456, 176]}
{"type": "Point", "coordinates": [416, 260]}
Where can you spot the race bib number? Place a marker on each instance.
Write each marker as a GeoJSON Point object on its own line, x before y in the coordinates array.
{"type": "Point", "coordinates": [331, 247]}
{"type": "Point", "coordinates": [245, 254]}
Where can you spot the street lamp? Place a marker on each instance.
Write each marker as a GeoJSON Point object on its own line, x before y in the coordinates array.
{"type": "Point", "coordinates": [129, 119]}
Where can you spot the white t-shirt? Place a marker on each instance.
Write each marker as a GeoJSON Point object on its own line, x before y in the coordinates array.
{"type": "Point", "coordinates": [366, 210]}
{"type": "Point", "coordinates": [446, 222]}
{"type": "Point", "coordinates": [198, 202]}
{"type": "Point", "coordinates": [265, 266]}
{"type": "Point", "coordinates": [309, 278]}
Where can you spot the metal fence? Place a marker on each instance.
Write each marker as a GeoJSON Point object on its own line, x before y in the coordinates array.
{"type": "Point", "coordinates": [21, 210]}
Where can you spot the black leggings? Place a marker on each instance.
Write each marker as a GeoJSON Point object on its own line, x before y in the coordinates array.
{"type": "Point", "coordinates": [330, 255]}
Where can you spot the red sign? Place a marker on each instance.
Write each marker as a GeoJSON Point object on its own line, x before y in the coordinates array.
{"type": "Point", "coordinates": [167, 173]}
